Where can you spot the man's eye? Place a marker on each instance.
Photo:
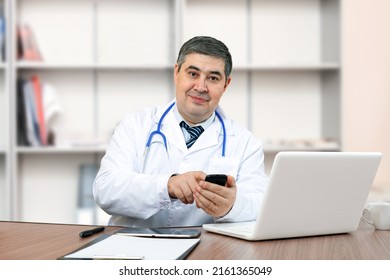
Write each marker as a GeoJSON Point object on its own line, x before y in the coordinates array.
{"type": "Point", "coordinates": [192, 74]}
{"type": "Point", "coordinates": [213, 78]}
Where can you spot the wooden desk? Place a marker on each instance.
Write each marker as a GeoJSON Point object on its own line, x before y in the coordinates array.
{"type": "Point", "coordinates": [29, 241]}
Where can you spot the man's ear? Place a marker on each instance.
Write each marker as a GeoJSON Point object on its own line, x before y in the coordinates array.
{"type": "Point", "coordinates": [227, 82]}
{"type": "Point", "coordinates": [175, 72]}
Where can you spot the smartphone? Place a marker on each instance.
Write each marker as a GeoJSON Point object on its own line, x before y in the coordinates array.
{"type": "Point", "coordinates": [219, 179]}
{"type": "Point", "coordinates": [159, 232]}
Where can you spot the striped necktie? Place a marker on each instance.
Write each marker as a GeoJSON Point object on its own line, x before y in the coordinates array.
{"type": "Point", "coordinates": [194, 132]}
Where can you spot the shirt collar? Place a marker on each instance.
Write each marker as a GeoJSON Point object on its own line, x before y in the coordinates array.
{"type": "Point", "coordinates": [205, 124]}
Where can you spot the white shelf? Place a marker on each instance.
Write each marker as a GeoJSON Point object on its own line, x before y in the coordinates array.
{"type": "Point", "coordinates": [291, 67]}
{"type": "Point", "coordinates": [274, 146]}
{"type": "Point", "coordinates": [304, 145]}
{"type": "Point", "coordinates": [89, 66]}
{"type": "Point", "coordinates": [98, 66]}
{"type": "Point", "coordinates": [60, 150]}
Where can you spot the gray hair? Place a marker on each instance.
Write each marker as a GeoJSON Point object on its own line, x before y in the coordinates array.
{"type": "Point", "coordinates": [207, 46]}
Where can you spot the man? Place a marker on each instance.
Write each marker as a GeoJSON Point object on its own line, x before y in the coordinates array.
{"type": "Point", "coordinates": [153, 173]}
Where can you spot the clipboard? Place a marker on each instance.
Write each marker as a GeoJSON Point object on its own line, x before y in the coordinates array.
{"type": "Point", "coordinates": [117, 247]}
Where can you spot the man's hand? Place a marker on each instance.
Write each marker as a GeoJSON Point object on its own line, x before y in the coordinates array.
{"type": "Point", "coordinates": [214, 199]}
{"type": "Point", "coordinates": [182, 186]}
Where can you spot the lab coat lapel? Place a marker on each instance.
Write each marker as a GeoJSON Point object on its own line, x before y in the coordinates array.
{"type": "Point", "coordinates": [213, 135]}
{"type": "Point", "coordinates": [174, 134]}
{"type": "Point", "coordinates": [208, 138]}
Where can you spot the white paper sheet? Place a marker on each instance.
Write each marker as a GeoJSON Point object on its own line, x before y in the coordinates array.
{"type": "Point", "coordinates": [117, 247]}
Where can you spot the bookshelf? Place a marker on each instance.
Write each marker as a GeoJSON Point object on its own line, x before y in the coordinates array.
{"type": "Point", "coordinates": [107, 58]}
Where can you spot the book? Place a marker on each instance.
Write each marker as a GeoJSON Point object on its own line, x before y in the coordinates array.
{"type": "Point", "coordinates": [21, 115]}
{"type": "Point", "coordinates": [36, 84]}
{"type": "Point", "coordinates": [27, 44]}
{"type": "Point", "coordinates": [38, 106]}
{"type": "Point", "coordinates": [51, 109]}
{"type": "Point", "coordinates": [32, 126]}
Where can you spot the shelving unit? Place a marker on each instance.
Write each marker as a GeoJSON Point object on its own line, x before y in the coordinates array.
{"type": "Point", "coordinates": [4, 117]}
{"type": "Point", "coordinates": [108, 58]}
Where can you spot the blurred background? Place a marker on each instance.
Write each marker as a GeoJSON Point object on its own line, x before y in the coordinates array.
{"type": "Point", "coordinates": [308, 75]}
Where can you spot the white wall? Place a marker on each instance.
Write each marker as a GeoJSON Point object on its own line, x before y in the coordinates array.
{"type": "Point", "coordinates": [366, 80]}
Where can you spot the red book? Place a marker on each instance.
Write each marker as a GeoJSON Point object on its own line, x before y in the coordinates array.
{"type": "Point", "coordinates": [40, 110]}
{"type": "Point", "coordinates": [27, 46]}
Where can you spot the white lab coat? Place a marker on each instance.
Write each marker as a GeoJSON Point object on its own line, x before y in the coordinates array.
{"type": "Point", "coordinates": [139, 198]}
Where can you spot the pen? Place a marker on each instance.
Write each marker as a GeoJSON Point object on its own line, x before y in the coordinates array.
{"type": "Point", "coordinates": [90, 232]}
{"type": "Point", "coordinates": [117, 257]}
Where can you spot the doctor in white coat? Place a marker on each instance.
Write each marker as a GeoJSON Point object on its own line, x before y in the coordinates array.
{"type": "Point", "coordinates": [150, 178]}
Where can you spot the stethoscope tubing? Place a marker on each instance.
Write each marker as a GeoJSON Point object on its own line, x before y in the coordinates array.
{"type": "Point", "coordinates": [158, 132]}
{"type": "Point", "coordinates": [224, 133]}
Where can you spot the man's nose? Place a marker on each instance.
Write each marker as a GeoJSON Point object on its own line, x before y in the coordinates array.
{"type": "Point", "coordinates": [200, 85]}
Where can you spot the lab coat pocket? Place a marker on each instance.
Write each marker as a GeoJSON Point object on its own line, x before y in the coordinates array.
{"type": "Point", "coordinates": [224, 165]}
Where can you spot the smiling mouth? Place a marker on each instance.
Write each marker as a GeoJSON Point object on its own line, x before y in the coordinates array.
{"type": "Point", "coordinates": [199, 99]}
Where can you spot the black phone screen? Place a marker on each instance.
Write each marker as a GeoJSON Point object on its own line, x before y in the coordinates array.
{"type": "Point", "coordinates": [219, 179]}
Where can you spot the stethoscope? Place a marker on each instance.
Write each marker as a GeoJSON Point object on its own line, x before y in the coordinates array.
{"type": "Point", "coordinates": [158, 132]}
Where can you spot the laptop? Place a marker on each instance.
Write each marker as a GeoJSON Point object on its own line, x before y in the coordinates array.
{"type": "Point", "coordinates": [309, 194]}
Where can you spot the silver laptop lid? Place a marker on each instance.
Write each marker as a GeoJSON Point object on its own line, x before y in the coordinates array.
{"type": "Point", "coordinates": [315, 193]}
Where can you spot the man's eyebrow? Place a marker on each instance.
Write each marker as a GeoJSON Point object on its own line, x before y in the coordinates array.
{"type": "Point", "coordinates": [193, 67]}
{"type": "Point", "coordinates": [198, 69]}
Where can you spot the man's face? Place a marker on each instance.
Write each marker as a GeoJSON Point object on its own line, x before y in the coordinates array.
{"type": "Point", "coordinates": [200, 84]}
